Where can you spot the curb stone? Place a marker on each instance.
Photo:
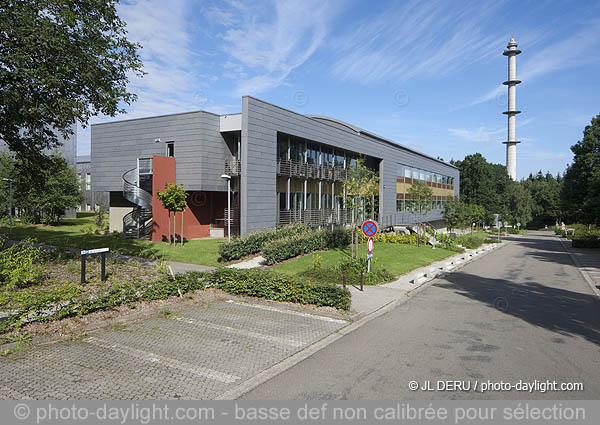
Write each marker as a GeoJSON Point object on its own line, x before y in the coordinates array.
{"type": "Point", "coordinates": [584, 273]}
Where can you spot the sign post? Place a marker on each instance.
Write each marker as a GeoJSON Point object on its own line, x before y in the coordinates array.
{"type": "Point", "coordinates": [499, 224]}
{"type": "Point", "coordinates": [369, 229]}
{"type": "Point", "coordinates": [85, 253]}
{"type": "Point", "coordinates": [369, 254]}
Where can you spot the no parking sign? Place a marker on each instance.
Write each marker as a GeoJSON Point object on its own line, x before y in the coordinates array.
{"type": "Point", "coordinates": [369, 228]}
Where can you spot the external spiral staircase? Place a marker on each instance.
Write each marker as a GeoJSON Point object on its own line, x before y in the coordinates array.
{"type": "Point", "coordinates": [137, 223]}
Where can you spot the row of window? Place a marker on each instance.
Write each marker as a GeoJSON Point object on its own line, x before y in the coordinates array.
{"type": "Point", "coordinates": [328, 201]}
{"type": "Point", "coordinates": [404, 204]}
{"type": "Point", "coordinates": [423, 175]}
{"type": "Point", "coordinates": [310, 152]}
{"type": "Point", "coordinates": [88, 207]}
{"type": "Point", "coordinates": [88, 180]}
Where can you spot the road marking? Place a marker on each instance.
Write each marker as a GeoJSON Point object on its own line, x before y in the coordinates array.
{"type": "Point", "coordinates": [295, 313]}
{"type": "Point", "coordinates": [156, 358]}
{"type": "Point", "coordinates": [202, 323]}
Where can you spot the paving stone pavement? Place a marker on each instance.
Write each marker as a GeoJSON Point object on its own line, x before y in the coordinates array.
{"type": "Point", "coordinates": [195, 353]}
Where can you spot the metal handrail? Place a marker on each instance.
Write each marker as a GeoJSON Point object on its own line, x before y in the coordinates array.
{"type": "Point", "coordinates": [133, 193]}
{"type": "Point", "coordinates": [288, 167]}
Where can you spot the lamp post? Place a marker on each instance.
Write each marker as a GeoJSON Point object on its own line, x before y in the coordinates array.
{"type": "Point", "coordinates": [228, 178]}
{"type": "Point", "coordinates": [9, 203]}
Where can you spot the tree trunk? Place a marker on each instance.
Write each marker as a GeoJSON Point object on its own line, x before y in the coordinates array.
{"type": "Point", "coordinates": [174, 227]}
{"type": "Point", "coordinates": [182, 228]}
{"type": "Point", "coordinates": [169, 227]}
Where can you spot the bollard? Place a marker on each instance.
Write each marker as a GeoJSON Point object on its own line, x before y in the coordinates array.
{"type": "Point", "coordinates": [361, 279]}
{"type": "Point", "coordinates": [82, 269]}
{"type": "Point", "coordinates": [103, 269]}
{"type": "Point", "coordinates": [344, 281]}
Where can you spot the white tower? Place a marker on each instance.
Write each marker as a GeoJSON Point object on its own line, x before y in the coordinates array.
{"type": "Point", "coordinates": [511, 143]}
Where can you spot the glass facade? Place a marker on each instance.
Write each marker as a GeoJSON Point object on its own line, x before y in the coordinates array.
{"type": "Point", "coordinates": [310, 178]}
{"type": "Point", "coordinates": [441, 185]}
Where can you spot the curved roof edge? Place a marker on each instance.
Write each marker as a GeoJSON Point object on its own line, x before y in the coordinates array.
{"type": "Point", "coordinates": [360, 131]}
{"type": "Point", "coordinates": [334, 120]}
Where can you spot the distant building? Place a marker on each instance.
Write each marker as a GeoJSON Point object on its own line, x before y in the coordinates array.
{"type": "Point", "coordinates": [92, 200]}
{"type": "Point", "coordinates": [68, 149]}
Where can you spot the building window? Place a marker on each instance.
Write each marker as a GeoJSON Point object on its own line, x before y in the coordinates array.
{"type": "Point", "coordinates": [171, 149]}
{"type": "Point", "coordinates": [88, 181]}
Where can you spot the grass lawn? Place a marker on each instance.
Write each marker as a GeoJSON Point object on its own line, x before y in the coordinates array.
{"type": "Point", "coordinates": [71, 234]}
{"type": "Point", "coordinates": [398, 259]}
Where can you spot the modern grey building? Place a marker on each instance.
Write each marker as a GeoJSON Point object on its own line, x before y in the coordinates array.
{"type": "Point", "coordinates": [68, 146]}
{"type": "Point", "coordinates": [91, 200]}
{"type": "Point", "coordinates": [284, 167]}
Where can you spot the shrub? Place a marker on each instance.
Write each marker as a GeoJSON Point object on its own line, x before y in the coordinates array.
{"type": "Point", "coordinates": [317, 261]}
{"type": "Point", "coordinates": [278, 287]}
{"type": "Point", "coordinates": [303, 243]}
{"type": "Point", "coordinates": [351, 268]}
{"type": "Point", "coordinates": [470, 241]}
{"type": "Point", "coordinates": [58, 303]}
{"type": "Point", "coordinates": [252, 244]}
{"type": "Point", "coordinates": [392, 237]}
{"type": "Point", "coordinates": [101, 219]}
{"type": "Point", "coordinates": [19, 265]}
{"type": "Point", "coordinates": [589, 240]}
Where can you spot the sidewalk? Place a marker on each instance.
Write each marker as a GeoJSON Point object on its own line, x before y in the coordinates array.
{"type": "Point", "coordinates": [587, 261]}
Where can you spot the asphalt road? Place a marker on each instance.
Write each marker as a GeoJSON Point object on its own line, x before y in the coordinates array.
{"type": "Point", "coordinates": [520, 314]}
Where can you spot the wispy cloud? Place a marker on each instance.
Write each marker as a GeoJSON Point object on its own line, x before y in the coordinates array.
{"type": "Point", "coordinates": [483, 134]}
{"type": "Point", "coordinates": [265, 42]}
{"type": "Point", "coordinates": [569, 52]}
{"type": "Point", "coordinates": [416, 39]}
{"type": "Point", "coordinates": [172, 83]}
{"type": "Point", "coordinates": [480, 135]}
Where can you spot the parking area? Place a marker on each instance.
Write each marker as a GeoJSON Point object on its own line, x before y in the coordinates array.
{"type": "Point", "coordinates": [195, 353]}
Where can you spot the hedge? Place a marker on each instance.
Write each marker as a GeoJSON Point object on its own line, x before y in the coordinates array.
{"type": "Point", "coordinates": [303, 243]}
{"type": "Point", "coordinates": [242, 247]}
{"type": "Point", "coordinates": [44, 305]}
{"type": "Point", "coordinates": [586, 241]}
{"type": "Point", "coordinates": [278, 287]}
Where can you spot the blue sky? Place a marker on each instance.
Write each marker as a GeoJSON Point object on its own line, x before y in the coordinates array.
{"type": "Point", "coordinates": [426, 74]}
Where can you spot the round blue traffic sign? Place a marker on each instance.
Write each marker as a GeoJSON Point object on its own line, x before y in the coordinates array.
{"type": "Point", "coordinates": [369, 228]}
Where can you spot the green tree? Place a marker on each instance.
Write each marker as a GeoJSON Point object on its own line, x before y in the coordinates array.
{"type": "Point", "coordinates": [361, 188]}
{"type": "Point", "coordinates": [7, 171]}
{"type": "Point", "coordinates": [482, 183]}
{"type": "Point", "coordinates": [545, 193]}
{"type": "Point", "coordinates": [580, 194]}
{"type": "Point", "coordinates": [173, 199]}
{"type": "Point", "coordinates": [420, 202]}
{"type": "Point", "coordinates": [61, 62]}
{"type": "Point", "coordinates": [54, 189]}
{"type": "Point", "coordinates": [453, 214]}
{"type": "Point", "coordinates": [517, 205]}
{"type": "Point", "coordinates": [62, 189]}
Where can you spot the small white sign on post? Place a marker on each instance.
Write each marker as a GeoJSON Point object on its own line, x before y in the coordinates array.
{"type": "Point", "coordinates": [369, 254]}
{"type": "Point", "coordinates": [94, 251]}
{"type": "Point", "coordinates": [87, 252]}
